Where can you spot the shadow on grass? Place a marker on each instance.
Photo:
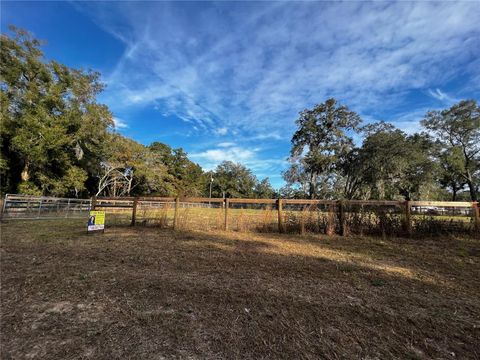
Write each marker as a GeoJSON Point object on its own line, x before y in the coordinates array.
{"type": "Point", "coordinates": [441, 263]}
{"type": "Point", "coordinates": [145, 293]}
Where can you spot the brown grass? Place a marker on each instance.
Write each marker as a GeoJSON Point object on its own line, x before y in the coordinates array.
{"type": "Point", "coordinates": [153, 293]}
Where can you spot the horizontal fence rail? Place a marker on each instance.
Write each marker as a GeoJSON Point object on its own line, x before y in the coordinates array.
{"type": "Point", "coordinates": [35, 207]}
{"type": "Point", "coordinates": [369, 217]}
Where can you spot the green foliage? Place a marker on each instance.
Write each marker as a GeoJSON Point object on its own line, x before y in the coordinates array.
{"type": "Point", "coordinates": [71, 184]}
{"type": "Point", "coordinates": [28, 188]}
{"type": "Point", "coordinates": [389, 164]}
{"type": "Point", "coordinates": [237, 181]}
{"type": "Point", "coordinates": [457, 132]}
{"type": "Point", "coordinates": [185, 178]}
{"type": "Point", "coordinates": [291, 192]}
{"type": "Point", "coordinates": [51, 125]}
{"type": "Point", "coordinates": [263, 189]}
{"type": "Point", "coordinates": [119, 169]}
{"type": "Point", "coordinates": [320, 142]}
{"type": "Point", "coordinates": [233, 180]}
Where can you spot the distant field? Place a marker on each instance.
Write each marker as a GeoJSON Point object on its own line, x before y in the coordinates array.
{"type": "Point", "coordinates": [157, 294]}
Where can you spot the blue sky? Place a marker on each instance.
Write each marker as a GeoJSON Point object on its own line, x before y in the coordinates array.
{"type": "Point", "coordinates": [226, 80]}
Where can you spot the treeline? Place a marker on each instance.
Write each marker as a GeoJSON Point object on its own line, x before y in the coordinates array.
{"type": "Point", "coordinates": [442, 162]}
{"type": "Point", "coordinates": [57, 140]}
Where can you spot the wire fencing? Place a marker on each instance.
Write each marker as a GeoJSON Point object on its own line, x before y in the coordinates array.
{"type": "Point", "coordinates": [360, 217]}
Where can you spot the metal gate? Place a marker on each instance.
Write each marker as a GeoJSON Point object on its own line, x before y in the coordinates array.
{"type": "Point", "coordinates": [38, 207]}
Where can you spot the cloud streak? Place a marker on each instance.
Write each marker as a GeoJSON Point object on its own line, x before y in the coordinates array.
{"type": "Point", "coordinates": [441, 96]}
{"type": "Point", "coordinates": [247, 69]}
{"type": "Point", "coordinates": [230, 152]}
{"type": "Point", "coordinates": [119, 123]}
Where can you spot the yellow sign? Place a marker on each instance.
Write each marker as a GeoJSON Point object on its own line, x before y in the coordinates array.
{"type": "Point", "coordinates": [96, 221]}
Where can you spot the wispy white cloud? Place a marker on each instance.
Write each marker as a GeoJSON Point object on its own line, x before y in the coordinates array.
{"type": "Point", "coordinates": [272, 136]}
{"type": "Point", "coordinates": [442, 96]}
{"type": "Point", "coordinates": [409, 127]}
{"type": "Point", "coordinates": [229, 152]}
{"type": "Point", "coordinates": [226, 144]}
{"type": "Point", "coordinates": [221, 131]}
{"type": "Point", "coordinates": [212, 157]}
{"type": "Point", "coordinates": [119, 123]}
{"type": "Point", "coordinates": [409, 121]}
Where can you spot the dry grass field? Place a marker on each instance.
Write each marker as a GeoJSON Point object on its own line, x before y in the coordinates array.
{"type": "Point", "coordinates": [147, 293]}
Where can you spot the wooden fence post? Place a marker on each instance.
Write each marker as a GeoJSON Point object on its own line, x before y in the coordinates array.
{"type": "Point", "coordinates": [134, 211]}
{"type": "Point", "coordinates": [94, 203]}
{"type": "Point", "coordinates": [4, 205]}
{"type": "Point", "coordinates": [280, 216]}
{"type": "Point", "coordinates": [226, 205]}
{"type": "Point", "coordinates": [341, 217]}
{"type": "Point", "coordinates": [476, 217]}
{"type": "Point", "coordinates": [68, 208]}
{"type": "Point", "coordinates": [175, 215]}
{"type": "Point", "coordinates": [302, 221]}
{"type": "Point", "coordinates": [408, 217]}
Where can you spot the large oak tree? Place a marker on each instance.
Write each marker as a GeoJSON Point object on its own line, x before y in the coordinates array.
{"type": "Point", "coordinates": [457, 130]}
{"type": "Point", "coordinates": [322, 139]}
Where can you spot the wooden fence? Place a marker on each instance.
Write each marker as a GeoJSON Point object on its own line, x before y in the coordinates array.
{"type": "Point", "coordinates": [266, 215]}
{"type": "Point", "coordinates": [299, 215]}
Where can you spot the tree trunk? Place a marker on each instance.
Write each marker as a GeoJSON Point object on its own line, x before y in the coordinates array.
{"type": "Point", "coordinates": [129, 187]}
{"type": "Point", "coordinates": [471, 185]}
{"type": "Point", "coordinates": [473, 192]}
{"type": "Point", "coordinates": [454, 192]}
{"type": "Point", "coordinates": [313, 186]}
{"type": "Point", "coordinates": [406, 195]}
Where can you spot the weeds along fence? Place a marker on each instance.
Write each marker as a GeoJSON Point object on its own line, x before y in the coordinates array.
{"type": "Point", "coordinates": [385, 218]}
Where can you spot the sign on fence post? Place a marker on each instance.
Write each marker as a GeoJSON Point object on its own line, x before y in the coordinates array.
{"type": "Point", "coordinates": [96, 221]}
